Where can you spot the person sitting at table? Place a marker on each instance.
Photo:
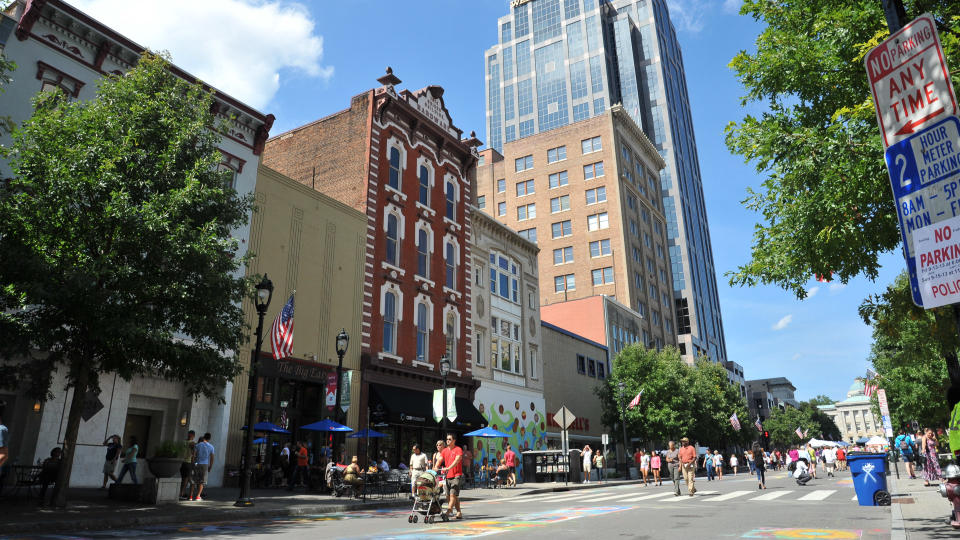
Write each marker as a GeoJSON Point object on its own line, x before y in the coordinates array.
{"type": "Point", "coordinates": [49, 471]}
{"type": "Point", "coordinates": [351, 476]}
{"type": "Point", "coordinates": [373, 468]}
{"type": "Point", "coordinates": [484, 471]}
{"type": "Point", "coordinates": [502, 473]}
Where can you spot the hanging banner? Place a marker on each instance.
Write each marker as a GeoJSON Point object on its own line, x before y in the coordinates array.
{"type": "Point", "coordinates": [438, 405]}
{"type": "Point", "coordinates": [345, 384]}
{"type": "Point", "coordinates": [331, 391]}
{"type": "Point", "coordinates": [451, 404]}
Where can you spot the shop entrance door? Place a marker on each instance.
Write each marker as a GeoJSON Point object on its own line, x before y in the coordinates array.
{"type": "Point", "coordinates": [137, 425]}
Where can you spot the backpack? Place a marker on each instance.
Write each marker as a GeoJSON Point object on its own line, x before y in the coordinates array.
{"type": "Point", "coordinates": [905, 445]}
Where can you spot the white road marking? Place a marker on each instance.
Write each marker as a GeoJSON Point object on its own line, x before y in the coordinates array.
{"type": "Point", "coordinates": [771, 496]}
{"type": "Point", "coordinates": [854, 498]}
{"type": "Point", "coordinates": [645, 497]}
{"type": "Point", "coordinates": [731, 495]}
{"type": "Point", "coordinates": [817, 495]}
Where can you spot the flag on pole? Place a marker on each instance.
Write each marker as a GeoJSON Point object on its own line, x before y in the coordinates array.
{"type": "Point", "coordinates": [805, 433]}
{"type": "Point", "coordinates": [798, 432]}
{"type": "Point", "coordinates": [281, 334]}
{"type": "Point", "coordinates": [758, 425]}
{"type": "Point", "coordinates": [636, 400]}
{"type": "Point", "coordinates": [735, 422]}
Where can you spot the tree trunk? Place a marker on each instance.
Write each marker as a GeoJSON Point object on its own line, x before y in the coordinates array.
{"type": "Point", "coordinates": [81, 382]}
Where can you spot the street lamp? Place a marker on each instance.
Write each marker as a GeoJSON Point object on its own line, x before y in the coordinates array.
{"type": "Point", "coordinates": [343, 341]}
{"type": "Point", "coordinates": [623, 424]}
{"type": "Point", "coordinates": [262, 302]}
{"type": "Point", "coordinates": [444, 370]}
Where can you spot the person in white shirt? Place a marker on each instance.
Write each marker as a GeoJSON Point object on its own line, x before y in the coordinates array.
{"type": "Point", "coordinates": [587, 455]}
{"type": "Point", "coordinates": [829, 456]}
{"type": "Point", "coordinates": [418, 464]}
{"type": "Point", "coordinates": [734, 463]}
{"type": "Point", "coordinates": [384, 466]}
{"type": "Point", "coordinates": [801, 474]}
{"type": "Point", "coordinates": [718, 464]}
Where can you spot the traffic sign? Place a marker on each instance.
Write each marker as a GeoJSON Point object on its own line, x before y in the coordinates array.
{"type": "Point", "coordinates": [605, 439]}
{"type": "Point", "coordinates": [938, 256]}
{"type": "Point", "coordinates": [882, 400]}
{"type": "Point", "coordinates": [564, 417]}
{"type": "Point", "coordinates": [925, 177]}
{"type": "Point", "coordinates": [909, 80]}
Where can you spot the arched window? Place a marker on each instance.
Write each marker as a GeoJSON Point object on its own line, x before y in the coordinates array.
{"type": "Point", "coordinates": [451, 201]}
{"type": "Point", "coordinates": [392, 231]}
{"type": "Point", "coordinates": [424, 186]}
{"type": "Point", "coordinates": [451, 263]}
{"type": "Point", "coordinates": [423, 250]}
{"type": "Point", "coordinates": [389, 323]}
{"type": "Point", "coordinates": [422, 335]}
{"type": "Point", "coordinates": [450, 328]}
{"type": "Point", "coordinates": [394, 180]}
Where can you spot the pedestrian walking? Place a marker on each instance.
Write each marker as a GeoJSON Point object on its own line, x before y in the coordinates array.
{"type": "Point", "coordinates": [587, 456]}
{"type": "Point", "coordinates": [49, 471]}
{"type": "Point", "coordinates": [751, 457]}
{"type": "Point", "coordinates": [931, 464]}
{"type": "Point", "coordinates": [688, 463]}
{"type": "Point", "coordinates": [718, 464]}
{"type": "Point", "coordinates": [812, 459]}
{"type": "Point", "coordinates": [672, 457]}
{"type": "Point", "coordinates": [644, 466]}
{"type": "Point", "coordinates": [841, 459]}
{"type": "Point", "coordinates": [438, 456]}
{"type": "Point", "coordinates": [302, 466]}
{"type": "Point", "coordinates": [655, 467]}
{"type": "Point", "coordinates": [637, 453]}
{"type": "Point", "coordinates": [110, 461]}
{"type": "Point", "coordinates": [708, 465]}
{"type": "Point", "coordinates": [905, 444]}
{"type": "Point", "coordinates": [418, 464]}
{"type": "Point", "coordinates": [285, 464]}
{"type": "Point", "coordinates": [829, 456]}
{"type": "Point", "coordinates": [600, 463]}
{"type": "Point", "coordinates": [129, 461]}
{"type": "Point", "coordinates": [760, 466]}
{"type": "Point", "coordinates": [203, 464]}
{"type": "Point", "coordinates": [734, 463]}
{"type": "Point", "coordinates": [186, 464]}
{"type": "Point", "coordinates": [510, 457]}
{"type": "Point", "coordinates": [452, 457]}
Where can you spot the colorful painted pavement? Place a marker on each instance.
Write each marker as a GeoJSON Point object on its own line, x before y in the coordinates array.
{"type": "Point", "coordinates": [803, 534]}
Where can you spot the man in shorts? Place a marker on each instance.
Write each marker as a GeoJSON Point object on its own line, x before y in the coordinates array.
{"type": "Point", "coordinates": [452, 457]}
{"type": "Point", "coordinates": [510, 457]}
{"type": "Point", "coordinates": [203, 463]}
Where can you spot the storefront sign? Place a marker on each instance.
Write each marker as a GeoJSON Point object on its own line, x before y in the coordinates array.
{"type": "Point", "coordinates": [331, 391]}
{"type": "Point", "coordinates": [345, 384]}
{"type": "Point", "coordinates": [291, 368]}
{"type": "Point", "coordinates": [580, 424]}
{"type": "Point", "coordinates": [411, 418]}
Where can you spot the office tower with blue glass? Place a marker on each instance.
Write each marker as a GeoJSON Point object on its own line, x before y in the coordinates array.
{"type": "Point", "coordinates": [559, 62]}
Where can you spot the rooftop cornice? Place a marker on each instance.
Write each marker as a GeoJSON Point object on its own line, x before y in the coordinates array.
{"type": "Point", "coordinates": [618, 112]}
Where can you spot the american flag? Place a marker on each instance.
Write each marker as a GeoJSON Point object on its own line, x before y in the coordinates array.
{"type": "Point", "coordinates": [283, 419]}
{"type": "Point", "coordinates": [636, 400]}
{"type": "Point", "coordinates": [798, 432]}
{"type": "Point", "coordinates": [281, 334]}
{"type": "Point", "coordinates": [758, 425]}
{"type": "Point", "coordinates": [735, 422]}
{"type": "Point", "coordinates": [869, 389]}
{"type": "Point", "coordinates": [824, 279]}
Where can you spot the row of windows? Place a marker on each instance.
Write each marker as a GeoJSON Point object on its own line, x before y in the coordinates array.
{"type": "Point", "coordinates": [504, 277]}
{"type": "Point", "coordinates": [554, 180]}
{"type": "Point", "coordinates": [598, 248]}
{"type": "Point", "coordinates": [393, 250]}
{"type": "Point", "coordinates": [587, 146]}
{"type": "Point", "coordinates": [424, 175]}
{"type": "Point", "coordinates": [390, 324]}
{"type": "Point", "coordinates": [590, 367]}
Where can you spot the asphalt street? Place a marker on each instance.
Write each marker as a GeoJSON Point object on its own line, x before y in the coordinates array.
{"type": "Point", "coordinates": [731, 508]}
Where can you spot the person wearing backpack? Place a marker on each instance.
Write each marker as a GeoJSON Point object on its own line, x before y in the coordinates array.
{"type": "Point", "coordinates": [905, 443]}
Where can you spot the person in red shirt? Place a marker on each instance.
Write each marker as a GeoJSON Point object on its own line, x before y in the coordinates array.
{"type": "Point", "coordinates": [510, 457]}
{"type": "Point", "coordinates": [302, 471]}
{"type": "Point", "coordinates": [452, 457]}
{"type": "Point", "coordinates": [688, 464]}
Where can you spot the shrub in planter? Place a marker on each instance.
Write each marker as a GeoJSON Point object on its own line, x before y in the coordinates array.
{"type": "Point", "coordinates": [166, 459]}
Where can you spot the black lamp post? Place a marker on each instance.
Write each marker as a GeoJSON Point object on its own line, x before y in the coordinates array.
{"type": "Point", "coordinates": [262, 302]}
{"type": "Point", "coordinates": [444, 370]}
{"type": "Point", "coordinates": [623, 424]}
{"type": "Point", "coordinates": [343, 341]}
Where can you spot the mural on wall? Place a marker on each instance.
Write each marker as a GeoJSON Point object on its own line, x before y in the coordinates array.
{"type": "Point", "coordinates": [522, 417]}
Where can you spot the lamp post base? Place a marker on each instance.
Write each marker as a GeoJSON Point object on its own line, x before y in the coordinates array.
{"type": "Point", "coordinates": [244, 502]}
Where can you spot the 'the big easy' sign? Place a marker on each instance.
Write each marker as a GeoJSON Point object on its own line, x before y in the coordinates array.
{"type": "Point", "coordinates": [909, 80]}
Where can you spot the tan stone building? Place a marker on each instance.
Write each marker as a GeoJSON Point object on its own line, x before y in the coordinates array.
{"type": "Point", "coordinates": [307, 242]}
{"type": "Point", "coordinates": [854, 415]}
{"type": "Point", "coordinates": [589, 195]}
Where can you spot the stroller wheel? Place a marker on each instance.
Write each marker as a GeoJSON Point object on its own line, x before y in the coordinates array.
{"type": "Point", "coordinates": [415, 518]}
{"type": "Point", "coordinates": [410, 518]}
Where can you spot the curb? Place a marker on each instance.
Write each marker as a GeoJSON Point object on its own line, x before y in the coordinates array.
{"type": "Point", "coordinates": [897, 529]}
{"type": "Point", "coordinates": [196, 514]}
{"type": "Point", "coordinates": [577, 487]}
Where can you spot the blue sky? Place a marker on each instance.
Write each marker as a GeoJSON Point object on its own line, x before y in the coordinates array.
{"type": "Point", "coordinates": [303, 61]}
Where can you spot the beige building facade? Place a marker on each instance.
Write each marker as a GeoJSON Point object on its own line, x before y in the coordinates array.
{"type": "Point", "coordinates": [589, 195]}
{"type": "Point", "coordinates": [310, 243]}
{"type": "Point", "coordinates": [854, 415]}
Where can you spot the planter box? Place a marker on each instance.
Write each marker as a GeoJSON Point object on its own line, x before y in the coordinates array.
{"type": "Point", "coordinates": [165, 467]}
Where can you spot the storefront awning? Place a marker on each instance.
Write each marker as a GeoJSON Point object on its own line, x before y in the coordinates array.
{"type": "Point", "coordinates": [397, 405]}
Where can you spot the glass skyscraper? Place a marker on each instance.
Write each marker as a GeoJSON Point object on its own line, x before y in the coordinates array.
{"type": "Point", "coordinates": [562, 61]}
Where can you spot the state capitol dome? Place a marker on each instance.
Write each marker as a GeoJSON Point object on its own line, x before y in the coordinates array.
{"type": "Point", "coordinates": [856, 389]}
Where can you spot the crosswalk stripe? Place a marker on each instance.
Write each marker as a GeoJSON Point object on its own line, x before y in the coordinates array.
{"type": "Point", "coordinates": [566, 497]}
{"type": "Point", "coordinates": [854, 498]}
{"type": "Point", "coordinates": [645, 497]}
{"type": "Point", "coordinates": [728, 496]}
{"type": "Point", "coordinates": [771, 496]}
{"type": "Point", "coordinates": [611, 497]}
{"type": "Point", "coordinates": [706, 492]}
{"type": "Point", "coordinates": [817, 495]}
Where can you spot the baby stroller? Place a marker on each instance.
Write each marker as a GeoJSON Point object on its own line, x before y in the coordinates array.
{"type": "Point", "coordinates": [336, 484]}
{"type": "Point", "coordinates": [427, 501]}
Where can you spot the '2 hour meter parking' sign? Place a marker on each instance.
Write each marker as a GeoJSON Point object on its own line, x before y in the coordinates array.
{"type": "Point", "coordinates": [909, 80]}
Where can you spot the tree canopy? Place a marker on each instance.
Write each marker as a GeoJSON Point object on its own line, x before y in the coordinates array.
{"type": "Point", "coordinates": [116, 252]}
{"type": "Point", "coordinates": [825, 207]}
{"type": "Point", "coordinates": [783, 425]}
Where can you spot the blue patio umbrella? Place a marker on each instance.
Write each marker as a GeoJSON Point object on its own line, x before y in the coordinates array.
{"type": "Point", "coordinates": [261, 440]}
{"type": "Point", "coordinates": [487, 433]}
{"type": "Point", "coordinates": [326, 425]}
{"type": "Point", "coordinates": [267, 427]}
{"type": "Point", "coordinates": [366, 432]}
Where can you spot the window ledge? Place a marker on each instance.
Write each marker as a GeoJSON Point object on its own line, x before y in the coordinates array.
{"type": "Point", "coordinates": [418, 363]}
{"type": "Point", "coordinates": [430, 211]}
{"type": "Point", "coordinates": [388, 187]}
{"type": "Point", "coordinates": [451, 223]}
{"type": "Point", "coordinates": [418, 277]}
{"type": "Point", "coordinates": [388, 356]}
{"type": "Point", "coordinates": [451, 291]}
{"type": "Point", "coordinates": [387, 266]}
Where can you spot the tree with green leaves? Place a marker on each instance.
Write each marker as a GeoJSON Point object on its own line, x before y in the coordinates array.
{"type": "Point", "coordinates": [821, 400]}
{"type": "Point", "coordinates": [825, 206]}
{"type": "Point", "coordinates": [783, 424]}
{"type": "Point", "coordinates": [6, 66]}
{"type": "Point", "coordinates": [116, 252]}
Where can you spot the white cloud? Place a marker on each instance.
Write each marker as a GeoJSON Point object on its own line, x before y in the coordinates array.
{"type": "Point", "coordinates": [782, 323]}
{"type": "Point", "coordinates": [237, 46]}
{"type": "Point", "coordinates": [812, 291]}
{"type": "Point", "coordinates": [837, 287]}
{"type": "Point", "coordinates": [688, 15]}
{"type": "Point", "coordinates": [796, 356]}
{"type": "Point", "coordinates": [732, 6]}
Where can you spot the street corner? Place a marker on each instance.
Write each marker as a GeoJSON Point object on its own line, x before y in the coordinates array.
{"type": "Point", "coordinates": [790, 533]}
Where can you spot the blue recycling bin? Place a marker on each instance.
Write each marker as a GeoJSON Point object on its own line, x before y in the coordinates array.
{"type": "Point", "coordinates": [869, 478]}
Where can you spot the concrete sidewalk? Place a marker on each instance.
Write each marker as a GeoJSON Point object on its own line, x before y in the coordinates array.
{"type": "Point", "coordinates": [918, 511]}
{"type": "Point", "coordinates": [90, 509]}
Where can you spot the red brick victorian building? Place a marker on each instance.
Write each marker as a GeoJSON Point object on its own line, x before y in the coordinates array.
{"type": "Point", "coordinates": [398, 157]}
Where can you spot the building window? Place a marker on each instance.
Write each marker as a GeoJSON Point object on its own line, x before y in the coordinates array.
{"type": "Point", "coordinates": [563, 255]}
{"type": "Point", "coordinates": [390, 323]}
{"type": "Point", "coordinates": [482, 202]}
{"type": "Point", "coordinates": [525, 188]}
{"type": "Point", "coordinates": [422, 332]}
{"type": "Point", "coordinates": [504, 277]}
{"type": "Point", "coordinates": [595, 222]}
{"type": "Point", "coordinates": [581, 364]}
{"type": "Point", "coordinates": [602, 276]}
{"type": "Point", "coordinates": [526, 211]}
{"type": "Point", "coordinates": [559, 204]}
{"type": "Point", "coordinates": [501, 185]}
{"type": "Point", "coordinates": [600, 248]}
{"type": "Point", "coordinates": [597, 195]}
{"type": "Point", "coordinates": [534, 371]}
{"type": "Point", "coordinates": [530, 234]}
{"type": "Point", "coordinates": [451, 334]}
{"type": "Point", "coordinates": [392, 232]}
{"type": "Point", "coordinates": [451, 263]}
{"type": "Point", "coordinates": [451, 201]}
{"type": "Point", "coordinates": [601, 371]}
{"type": "Point", "coordinates": [564, 283]}
{"type": "Point", "coordinates": [424, 186]}
{"type": "Point", "coordinates": [556, 154]}
{"type": "Point", "coordinates": [501, 208]}
{"type": "Point", "coordinates": [593, 170]}
{"type": "Point", "coordinates": [591, 145]}
{"type": "Point", "coordinates": [561, 229]}
{"type": "Point", "coordinates": [423, 257]}
{"type": "Point", "coordinates": [558, 179]}
{"type": "Point", "coordinates": [478, 348]}
{"type": "Point", "coordinates": [591, 367]}
{"type": "Point", "coordinates": [523, 163]}
{"type": "Point", "coordinates": [508, 338]}
{"type": "Point", "coordinates": [394, 179]}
